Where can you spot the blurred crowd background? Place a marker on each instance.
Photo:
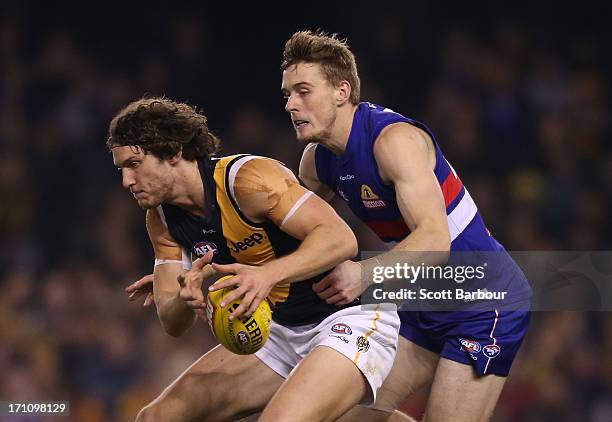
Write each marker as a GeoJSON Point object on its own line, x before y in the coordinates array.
{"type": "Point", "coordinates": [519, 100]}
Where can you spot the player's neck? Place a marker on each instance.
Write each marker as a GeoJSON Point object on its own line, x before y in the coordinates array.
{"type": "Point", "coordinates": [188, 190]}
{"type": "Point", "coordinates": [341, 130]}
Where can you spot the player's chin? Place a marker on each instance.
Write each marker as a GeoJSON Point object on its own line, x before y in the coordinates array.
{"type": "Point", "coordinates": [147, 204]}
{"type": "Point", "coordinates": [306, 139]}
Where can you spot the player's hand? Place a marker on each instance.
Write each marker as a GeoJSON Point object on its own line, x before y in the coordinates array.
{"type": "Point", "coordinates": [253, 284]}
{"type": "Point", "coordinates": [191, 283]}
{"type": "Point", "coordinates": [343, 285]}
{"type": "Point", "coordinates": [144, 286]}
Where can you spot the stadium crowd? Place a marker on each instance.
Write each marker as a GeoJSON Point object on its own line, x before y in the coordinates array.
{"type": "Point", "coordinates": [522, 109]}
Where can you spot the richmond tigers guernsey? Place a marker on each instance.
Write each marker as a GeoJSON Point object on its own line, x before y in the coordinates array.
{"type": "Point", "coordinates": [177, 234]}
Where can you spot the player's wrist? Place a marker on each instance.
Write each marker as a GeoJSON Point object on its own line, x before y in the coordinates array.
{"type": "Point", "coordinates": [367, 271]}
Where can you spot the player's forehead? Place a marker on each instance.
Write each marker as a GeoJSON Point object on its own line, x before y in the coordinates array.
{"type": "Point", "coordinates": [303, 73]}
{"type": "Point", "coordinates": [122, 154]}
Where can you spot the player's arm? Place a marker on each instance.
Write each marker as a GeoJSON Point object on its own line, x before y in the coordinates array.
{"type": "Point", "coordinates": [308, 174]}
{"type": "Point", "coordinates": [418, 194]}
{"type": "Point", "coordinates": [421, 204]}
{"type": "Point", "coordinates": [266, 190]}
{"type": "Point", "coordinates": [174, 314]}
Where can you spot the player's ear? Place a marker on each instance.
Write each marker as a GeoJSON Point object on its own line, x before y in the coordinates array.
{"type": "Point", "coordinates": [343, 92]}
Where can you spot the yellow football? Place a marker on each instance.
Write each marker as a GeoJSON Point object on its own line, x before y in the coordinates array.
{"type": "Point", "coordinates": [244, 335]}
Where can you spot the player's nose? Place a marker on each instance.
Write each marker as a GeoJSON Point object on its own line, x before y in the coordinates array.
{"type": "Point", "coordinates": [127, 178]}
{"type": "Point", "coordinates": [291, 104]}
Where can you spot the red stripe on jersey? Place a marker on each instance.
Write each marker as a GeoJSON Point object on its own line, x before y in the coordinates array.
{"type": "Point", "coordinates": [451, 187]}
{"type": "Point", "coordinates": [386, 229]}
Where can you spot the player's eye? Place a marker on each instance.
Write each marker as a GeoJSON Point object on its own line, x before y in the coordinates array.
{"type": "Point", "coordinates": [133, 164]}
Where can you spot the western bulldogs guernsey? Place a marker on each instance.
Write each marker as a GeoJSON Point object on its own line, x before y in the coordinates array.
{"type": "Point", "coordinates": [234, 238]}
{"type": "Point", "coordinates": [354, 176]}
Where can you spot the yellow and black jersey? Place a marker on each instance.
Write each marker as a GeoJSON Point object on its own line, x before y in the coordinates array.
{"type": "Point", "coordinates": [179, 235]}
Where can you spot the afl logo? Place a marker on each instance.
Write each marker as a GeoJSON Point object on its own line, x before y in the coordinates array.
{"type": "Point", "coordinates": [342, 329]}
{"type": "Point", "coordinates": [470, 346]}
{"type": "Point", "coordinates": [491, 350]}
{"type": "Point", "coordinates": [201, 248]}
{"type": "Point", "coordinates": [243, 337]}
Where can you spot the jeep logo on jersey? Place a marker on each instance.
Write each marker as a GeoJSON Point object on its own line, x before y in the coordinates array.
{"type": "Point", "coordinates": [342, 329]}
{"type": "Point", "coordinates": [491, 350]}
{"type": "Point", "coordinates": [247, 242]}
{"type": "Point", "coordinates": [370, 199]}
{"type": "Point", "coordinates": [470, 346]}
{"type": "Point", "coordinates": [201, 248]}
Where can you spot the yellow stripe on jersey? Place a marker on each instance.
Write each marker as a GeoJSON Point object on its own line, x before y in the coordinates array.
{"type": "Point", "coordinates": [248, 244]}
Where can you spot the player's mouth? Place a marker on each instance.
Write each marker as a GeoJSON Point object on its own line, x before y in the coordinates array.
{"type": "Point", "coordinates": [139, 194]}
{"type": "Point", "coordinates": [300, 124]}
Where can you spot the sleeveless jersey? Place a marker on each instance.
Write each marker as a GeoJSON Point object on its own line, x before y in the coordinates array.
{"type": "Point", "coordinates": [234, 238]}
{"type": "Point", "coordinates": [354, 176]}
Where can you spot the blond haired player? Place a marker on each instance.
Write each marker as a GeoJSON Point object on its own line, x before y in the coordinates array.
{"type": "Point", "coordinates": [251, 217]}
{"type": "Point", "coordinates": [391, 172]}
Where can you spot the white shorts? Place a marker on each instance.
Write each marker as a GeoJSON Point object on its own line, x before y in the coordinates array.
{"type": "Point", "coordinates": [365, 335]}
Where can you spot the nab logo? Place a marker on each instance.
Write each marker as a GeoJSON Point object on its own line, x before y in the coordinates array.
{"type": "Point", "coordinates": [247, 242]}
{"type": "Point", "coordinates": [370, 199]}
{"type": "Point", "coordinates": [470, 346]}
{"type": "Point", "coordinates": [201, 248]}
{"type": "Point", "coordinates": [491, 350]}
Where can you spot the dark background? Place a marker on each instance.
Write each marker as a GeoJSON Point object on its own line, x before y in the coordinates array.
{"type": "Point", "coordinates": [518, 97]}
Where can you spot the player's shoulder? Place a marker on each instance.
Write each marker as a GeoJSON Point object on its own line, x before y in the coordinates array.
{"type": "Point", "coordinates": [258, 169]}
{"type": "Point", "coordinates": [379, 112]}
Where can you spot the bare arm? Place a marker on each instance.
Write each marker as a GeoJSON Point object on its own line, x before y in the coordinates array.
{"type": "Point", "coordinates": [175, 316]}
{"type": "Point", "coordinates": [271, 192]}
{"type": "Point", "coordinates": [418, 193]}
{"type": "Point", "coordinates": [308, 174]}
{"type": "Point", "coordinates": [421, 204]}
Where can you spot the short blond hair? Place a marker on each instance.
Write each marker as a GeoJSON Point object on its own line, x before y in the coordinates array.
{"type": "Point", "coordinates": [332, 53]}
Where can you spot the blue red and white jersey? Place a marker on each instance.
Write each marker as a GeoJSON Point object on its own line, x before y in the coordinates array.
{"type": "Point", "coordinates": [354, 176]}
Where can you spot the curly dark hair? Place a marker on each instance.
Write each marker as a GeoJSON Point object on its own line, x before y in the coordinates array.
{"type": "Point", "coordinates": [163, 127]}
{"type": "Point", "coordinates": [333, 54]}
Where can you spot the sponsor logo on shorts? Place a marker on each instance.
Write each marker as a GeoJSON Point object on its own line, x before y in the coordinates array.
{"type": "Point", "coordinates": [470, 346]}
{"type": "Point", "coordinates": [363, 345]}
{"type": "Point", "coordinates": [491, 350]}
{"type": "Point", "coordinates": [342, 329]}
{"type": "Point", "coordinates": [339, 337]}
{"type": "Point", "coordinates": [243, 337]}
